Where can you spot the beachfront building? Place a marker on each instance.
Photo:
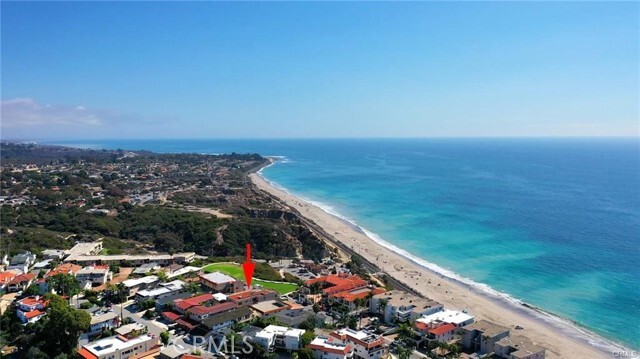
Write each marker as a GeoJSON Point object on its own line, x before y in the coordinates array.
{"type": "Point", "coordinates": [119, 347]}
{"type": "Point", "coordinates": [221, 283]}
{"type": "Point", "coordinates": [331, 348]}
{"type": "Point", "coordinates": [333, 284]}
{"type": "Point", "coordinates": [518, 347]}
{"type": "Point", "coordinates": [481, 336]}
{"type": "Point", "coordinates": [401, 306]}
{"type": "Point", "coordinates": [366, 345]}
{"type": "Point", "coordinates": [446, 316]}
{"type": "Point", "coordinates": [274, 336]}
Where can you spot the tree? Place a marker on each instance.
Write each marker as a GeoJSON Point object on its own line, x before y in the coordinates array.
{"type": "Point", "coordinates": [307, 338]}
{"type": "Point", "coordinates": [63, 326]}
{"type": "Point", "coordinates": [114, 268]}
{"type": "Point", "coordinates": [305, 353]}
{"type": "Point", "coordinates": [164, 337]}
{"type": "Point", "coordinates": [360, 304]}
{"type": "Point", "coordinates": [64, 284]}
{"type": "Point", "coordinates": [32, 290]}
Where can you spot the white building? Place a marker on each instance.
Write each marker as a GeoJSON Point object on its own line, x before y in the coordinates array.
{"type": "Point", "coordinates": [103, 321]}
{"type": "Point", "coordinates": [365, 345]}
{"type": "Point", "coordinates": [459, 319]}
{"type": "Point", "coordinates": [331, 348]}
{"type": "Point", "coordinates": [401, 306]}
{"type": "Point", "coordinates": [134, 285]}
{"type": "Point", "coordinates": [518, 347]}
{"type": "Point", "coordinates": [118, 347]}
{"type": "Point", "coordinates": [95, 275]}
{"type": "Point", "coordinates": [161, 291]}
{"type": "Point", "coordinates": [275, 336]}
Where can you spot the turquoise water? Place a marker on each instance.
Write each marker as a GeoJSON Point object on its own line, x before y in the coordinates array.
{"type": "Point", "coordinates": [553, 222]}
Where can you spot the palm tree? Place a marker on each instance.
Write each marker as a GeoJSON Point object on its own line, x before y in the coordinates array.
{"type": "Point", "coordinates": [360, 303]}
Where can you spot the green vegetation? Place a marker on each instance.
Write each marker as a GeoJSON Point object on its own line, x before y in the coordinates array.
{"type": "Point", "coordinates": [235, 271]}
{"type": "Point", "coordinates": [36, 340]}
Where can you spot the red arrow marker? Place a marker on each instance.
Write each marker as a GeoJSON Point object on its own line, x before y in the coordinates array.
{"type": "Point", "coordinates": [248, 267]}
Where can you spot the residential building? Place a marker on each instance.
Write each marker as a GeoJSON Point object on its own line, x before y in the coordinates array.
{"type": "Point", "coordinates": [96, 275]}
{"type": "Point", "coordinates": [274, 336]}
{"type": "Point", "coordinates": [31, 309]}
{"type": "Point", "coordinates": [220, 282]}
{"type": "Point", "coordinates": [253, 296]}
{"type": "Point", "coordinates": [459, 319]}
{"type": "Point", "coordinates": [366, 345]}
{"type": "Point", "coordinates": [132, 330]}
{"type": "Point", "coordinates": [181, 305]}
{"type": "Point", "coordinates": [146, 268]}
{"type": "Point", "coordinates": [333, 283]}
{"type": "Point", "coordinates": [440, 333]}
{"type": "Point", "coordinates": [65, 268]}
{"type": "Point", "coordinates": [331, 348]}
{"type": "Point", "coordinates": [20, 282]}
{"type": "Point", "coordinates": [269, 307]}
{"type": "Point", "coordinates": [103, 321]}
{"type": "Point", "coordinates": [199, 313]}
{"type": "Point", "coordinates": [135, 285]}
{"type": "Point", "coordinates": [518, 347]}
{"type": "Point", "coordinates": [481, 336]}
{"type": "Point", "coordinates": [118, 347]}
{"type": "Point", "coordinates": [349, 298]}
{"type": "Point", "coordinates": [26, 259]}
{"type": "Point", "coordinates": [162, 290]}
{"type": "Point", "coordinates": [401, 306]}
{"type": "Point", "coordinates": [56, 254]}
{"type": "Point", "coordinates": [6, 278]}
{"type": "Point", "coordinates": [227, 319]}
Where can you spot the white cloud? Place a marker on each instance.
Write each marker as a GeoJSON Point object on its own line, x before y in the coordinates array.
{"type": "Point", "coordinates": [26, 112]}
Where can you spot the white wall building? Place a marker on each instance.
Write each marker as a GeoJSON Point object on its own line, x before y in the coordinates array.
{"type": "Point", "coordinates": [275, 336]}
{"type": "Point", "coordinates": [331, 348]}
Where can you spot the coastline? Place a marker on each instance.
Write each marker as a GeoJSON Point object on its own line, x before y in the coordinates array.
{"type": "Point", "coordinates": [561, 337]}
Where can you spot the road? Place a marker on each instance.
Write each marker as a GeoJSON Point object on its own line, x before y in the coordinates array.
{"type": "Point", "coordinates": [122, 311]}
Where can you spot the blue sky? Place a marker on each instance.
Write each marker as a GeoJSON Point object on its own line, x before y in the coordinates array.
{"type": "Point", "coordinates": [75, 70]}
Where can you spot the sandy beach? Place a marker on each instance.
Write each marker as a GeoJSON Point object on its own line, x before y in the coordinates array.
{"type": "Point", "coordinates": [560, 339]}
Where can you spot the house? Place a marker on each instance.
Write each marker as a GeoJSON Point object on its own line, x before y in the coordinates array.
{"type": "Point", "coordinates": [146, 268]}
{"type": "Point", "coordinates": [96, 275]}
{"type": "Point", "coordinates": [440, 332]}
{"type": "Point", "coordinates": [333, 283]}
{"type": "Point", "coordinates": [365, 345]}
{"type": "Point", "coordinates": [55, 254]}
{"type": "Point", "coordinates": [22, 261]}
{"type": "Point", "coordinates": [132, 330]}
{"type": "Point", "coordinates": [459, 319]}
{"type": "Point", "coordinates": [274, 336]}
{"type": "Point", "coordinates": [166, 303]}
{"type": "Point", "coordinates": [118, 347]}
{"type": "Point", "coordinates": [20, 282]}
{"type": "Point", "coordinates": [161, 291]}
{"type": "Point", "coordinates": [227, 319]}
{"type": "Point", "coordinates": [220, 282]}
{"type": "Point", "coordinates": [103, 321]}
{"type": "Point", "coordinates": [135, 285]}
{"type": "Point", "coordinates": [199, 313]}
{"type": "Point", "coordinates": [330, 348]}
{"type": "Point", "coordinates": [65, 268]}
{"type": "Point", "coordinates": [401, 306]}
{"type": "Point", "coordinates": [5, 278]}
{"type": "Point", "coordinates": [481, 336]}
{"type": "Point", "coordinates": [349, 298]}
{"type": "Point", "coordinates": [253, 296]}
{"type": "Point", "coordinates": [269, 308]}
{"type": "Point", "coordinates": [518, 347]}
{"type": "Point", "coordinates": [181, 305]}
{"type": "Point", "coordinates": [31, 309]}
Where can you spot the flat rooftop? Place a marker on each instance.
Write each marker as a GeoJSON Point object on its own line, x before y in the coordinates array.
{"type": "Point", "coordinates": [447, 316]}
{"type": "Point", "coordinates": [487, 328]}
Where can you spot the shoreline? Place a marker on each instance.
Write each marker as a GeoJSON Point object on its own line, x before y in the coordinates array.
{"type": "Point", "coordinates": [560, 336]}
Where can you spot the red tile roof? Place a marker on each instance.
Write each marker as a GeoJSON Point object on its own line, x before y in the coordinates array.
{"type": "Point", "coordinates": [339, 283]}
{"type": "Point", "coordinates": [33, 313]}
{"type": "Point", "coordinates": [218, 308]}
{"type": "Point", "coordinates": [442, 329]}
{"type": "Point", "coordinates": [6, 277]}
{"type": "Point", "coordinates": [66, 268]}
{"type": "Point", "coordinates": [22, 278]}
{"type": "Point", "coordinates": [171, 316]}
{"type": "Point", "coordinates": [86, 354]}
{"type": "Point", "coordinates": [184, 304]}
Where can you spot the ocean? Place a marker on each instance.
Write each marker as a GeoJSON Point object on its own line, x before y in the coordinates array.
{"type": "Point", "coordinates": [551, 222]}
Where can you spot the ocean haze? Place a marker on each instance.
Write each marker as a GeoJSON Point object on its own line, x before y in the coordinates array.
{"type": "Point", "coordinates": [553, 222]}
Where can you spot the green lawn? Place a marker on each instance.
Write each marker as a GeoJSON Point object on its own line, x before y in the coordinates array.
{"type": "Point", "coordinates": [235, 271]}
